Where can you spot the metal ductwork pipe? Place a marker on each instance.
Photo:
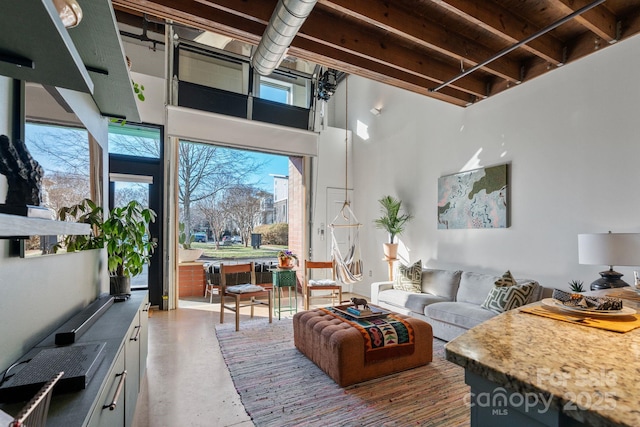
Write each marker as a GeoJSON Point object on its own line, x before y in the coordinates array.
{"type": "Point", "coordinates": [286, 20]}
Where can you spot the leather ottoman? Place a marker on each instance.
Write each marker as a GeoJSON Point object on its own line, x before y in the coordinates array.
{"type": "Point", "coordinates": [338, 348]}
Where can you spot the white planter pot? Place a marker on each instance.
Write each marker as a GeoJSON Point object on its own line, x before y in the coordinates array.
{"type": "Point", "coordinates": [189, 255]}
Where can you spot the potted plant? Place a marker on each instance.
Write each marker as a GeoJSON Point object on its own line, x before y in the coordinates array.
{"type": "Point", "coordinates": [576, 286]}
{"type": "Point", "coordinates": [185, 252]}
{"type": "Point", "coordinates": [393, 222]}
{"type": "Point", "coordinates": [287, 259]}
{"type": "Point", "coordinates": [125, 233]}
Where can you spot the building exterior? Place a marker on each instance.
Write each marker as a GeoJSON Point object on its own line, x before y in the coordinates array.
{"type": "Point", "coordinates": [281, 198]}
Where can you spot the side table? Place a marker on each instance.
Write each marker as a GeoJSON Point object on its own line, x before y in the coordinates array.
{"type": "Point", "coordinates": [390, 261]}
{"type": "Point", "coordinates": [284, 279]}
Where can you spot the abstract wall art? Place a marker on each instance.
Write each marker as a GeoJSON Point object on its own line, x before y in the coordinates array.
{"type": "Point", "coordinates": [474, 199]}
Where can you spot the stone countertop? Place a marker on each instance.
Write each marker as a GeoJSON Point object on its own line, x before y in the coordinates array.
{"type": "Point", "coordinates": [592, 375]}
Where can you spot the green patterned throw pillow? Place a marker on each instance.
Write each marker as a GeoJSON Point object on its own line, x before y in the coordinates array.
{"type": "Point", "coordinates": [506, 280]}
{"type": "Point", "coordinates": [507, 294]}
{"type": "Point", "coordinates": [409, 277]}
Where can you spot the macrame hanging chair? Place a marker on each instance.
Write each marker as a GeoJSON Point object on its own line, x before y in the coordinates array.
{"type": "Point", "coordinates": [349, 266]}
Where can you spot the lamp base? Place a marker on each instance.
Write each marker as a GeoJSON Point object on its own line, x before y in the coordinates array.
{"type": "Point", "coordinates": [609, 279]}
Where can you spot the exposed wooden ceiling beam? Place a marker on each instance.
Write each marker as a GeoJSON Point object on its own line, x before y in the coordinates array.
{"type": "Point", "coordinates": [391, 18]}
{"type": "Point", "coordinates": [320, 28]}
{"type": "Point", "coordinates": [503, 23]}
{"type": "Point", "coordinates": [598, 20]}
{"type": "Point", "coordinates": [341, 60]}
{"type": "Point", "coordinates": [199, 16]}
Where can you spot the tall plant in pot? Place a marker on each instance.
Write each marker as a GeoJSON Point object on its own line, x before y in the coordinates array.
{"type": "Point", "coordinates": [393, 222]}
{"type": "Point", "coordinates": [126, 236]}
{"type": "Point", "coordinates": [129, 244]}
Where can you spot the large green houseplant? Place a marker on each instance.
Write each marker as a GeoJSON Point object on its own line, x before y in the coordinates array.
{"type": "Point", "coordinates": [125, 233]}
{"type": "Point", "coordinates": [393, 222]}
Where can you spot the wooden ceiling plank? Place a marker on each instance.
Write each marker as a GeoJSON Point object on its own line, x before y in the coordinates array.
{"type": "Point", "coordinates": [324, 29]}
{"type": "Point", "coordinates": [253, 10]}
{"type": "Point", "coordinates": [499, 21]}
{"type": "Point", "coordinates": [198, 15]}
{"type": "Point", "coordinates": [598, 20]}
{"type": "Point", "coordinates": [397, 21]}
{"type": "Point", "coordinates": [343, 61]}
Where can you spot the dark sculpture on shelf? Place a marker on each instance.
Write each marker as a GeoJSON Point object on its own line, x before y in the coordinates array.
{"type": "Point", "coordinates": [24, 174]}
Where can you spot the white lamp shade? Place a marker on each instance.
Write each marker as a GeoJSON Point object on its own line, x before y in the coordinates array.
{"type": "Point", "coordinates": [609, 249]}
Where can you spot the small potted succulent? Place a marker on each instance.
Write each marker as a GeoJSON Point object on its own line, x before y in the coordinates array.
{"type": "Point", "coordinates": [576, 286]}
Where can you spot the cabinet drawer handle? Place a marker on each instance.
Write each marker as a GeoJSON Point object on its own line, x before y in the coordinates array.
{"type": "Point", "coordinates": [138, 329]}
{"type": "Point", "coordinates": [147, 306]}
{"type": "Point", "coordinates": [116, 395]}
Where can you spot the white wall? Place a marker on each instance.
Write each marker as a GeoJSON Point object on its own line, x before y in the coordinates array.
{"type": "Point", "coordinates": [327, 173]}
{"type": "Point", "coordinates": [571, 140]}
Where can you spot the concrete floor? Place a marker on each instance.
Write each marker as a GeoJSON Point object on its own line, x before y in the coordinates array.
{"type": "Point", "coordinates": [187, 382]}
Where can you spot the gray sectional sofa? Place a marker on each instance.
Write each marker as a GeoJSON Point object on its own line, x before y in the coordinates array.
{"type": "Point", "coordinates": [450, 300]}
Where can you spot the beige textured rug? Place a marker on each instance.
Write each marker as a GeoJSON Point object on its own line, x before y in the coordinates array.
{"type": "Point", "coordinates": [281, 387]}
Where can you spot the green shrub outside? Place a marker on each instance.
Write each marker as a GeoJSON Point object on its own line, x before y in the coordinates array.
{"type": "Point", "coordinates": [273, 234]}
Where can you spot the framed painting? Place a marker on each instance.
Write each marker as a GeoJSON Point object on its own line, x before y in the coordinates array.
{"type": "Point", "coordinates": [474, 199]}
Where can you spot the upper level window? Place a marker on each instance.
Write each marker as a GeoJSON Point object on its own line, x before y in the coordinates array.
{"type": "Point", "coordinates": [134, 140]}
{"type": "Point", "coordinates": [275, 90]}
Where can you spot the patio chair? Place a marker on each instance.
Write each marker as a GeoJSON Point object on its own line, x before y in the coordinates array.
{"type": "Point", "coordinates": [244, 295]}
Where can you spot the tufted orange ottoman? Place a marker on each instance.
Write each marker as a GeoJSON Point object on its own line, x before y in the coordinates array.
{"type": "Point", "coordinates": [338, 348]}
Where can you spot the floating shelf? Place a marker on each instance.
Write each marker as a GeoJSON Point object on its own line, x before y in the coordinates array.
{"type": "Point", "coordinates": [36, 47]}
{"type": "Point", "coordinates": [16, 225]}
{"type": "Point", "coordinates": [97, 39]}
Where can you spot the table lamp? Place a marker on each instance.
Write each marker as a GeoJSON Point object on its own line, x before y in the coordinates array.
{"type": "Point", "coordinates": [609, 249]}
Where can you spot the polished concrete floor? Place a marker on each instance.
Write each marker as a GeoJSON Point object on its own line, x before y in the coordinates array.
{"type": "Point", "coordinates": [187, 382]}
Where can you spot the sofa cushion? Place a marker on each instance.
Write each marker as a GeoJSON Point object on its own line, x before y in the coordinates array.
{"type": "Point", "coordinates": [504, 298]}
{"type": "Point", "coordinates": [409, 277]}
{"type": "Point", "coordinates": [415, 302]}
{"type": "Point", "coordinates": [463, 314]}
{"type": "Point", "coordinates": [443, 283]}
{"type": "Point", "coordinates": [474, 287]}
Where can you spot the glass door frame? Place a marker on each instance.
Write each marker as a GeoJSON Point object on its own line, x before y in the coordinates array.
{"type": "Point", "coordinates": [145, 166]}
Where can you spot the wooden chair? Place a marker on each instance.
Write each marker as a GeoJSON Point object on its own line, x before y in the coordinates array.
{"type": "Point", "coordinates": [328, 284]}
{"type": "Point", "coordinates": [241, 299]}
{"type": "Point", "coordinates": [210, 286]}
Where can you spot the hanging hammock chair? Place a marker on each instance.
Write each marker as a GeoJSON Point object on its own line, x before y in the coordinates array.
{"type": "Point", "coordinates": [348, 267]}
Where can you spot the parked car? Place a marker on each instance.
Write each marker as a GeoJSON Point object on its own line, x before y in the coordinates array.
{"type": "Point", "coordinates": [236, 239]}
{"type": "Point", "coordinates": [200, 237]}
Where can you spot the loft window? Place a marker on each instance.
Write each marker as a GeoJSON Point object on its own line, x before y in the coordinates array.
{"type": "Point", "coordinates": [276, 90]}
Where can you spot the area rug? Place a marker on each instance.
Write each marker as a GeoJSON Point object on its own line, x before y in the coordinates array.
{"type": "Point", "coordinates": [281, 387]}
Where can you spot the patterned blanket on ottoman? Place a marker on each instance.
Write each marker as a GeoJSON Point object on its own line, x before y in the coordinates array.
{"type": "Point", "coordinates": [339, 347]}
{"type": "Point", "coordinates": [384, 337]}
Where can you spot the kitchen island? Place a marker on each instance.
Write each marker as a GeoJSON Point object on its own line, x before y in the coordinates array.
{"type": "Point", "coordinates": [528, 370]}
